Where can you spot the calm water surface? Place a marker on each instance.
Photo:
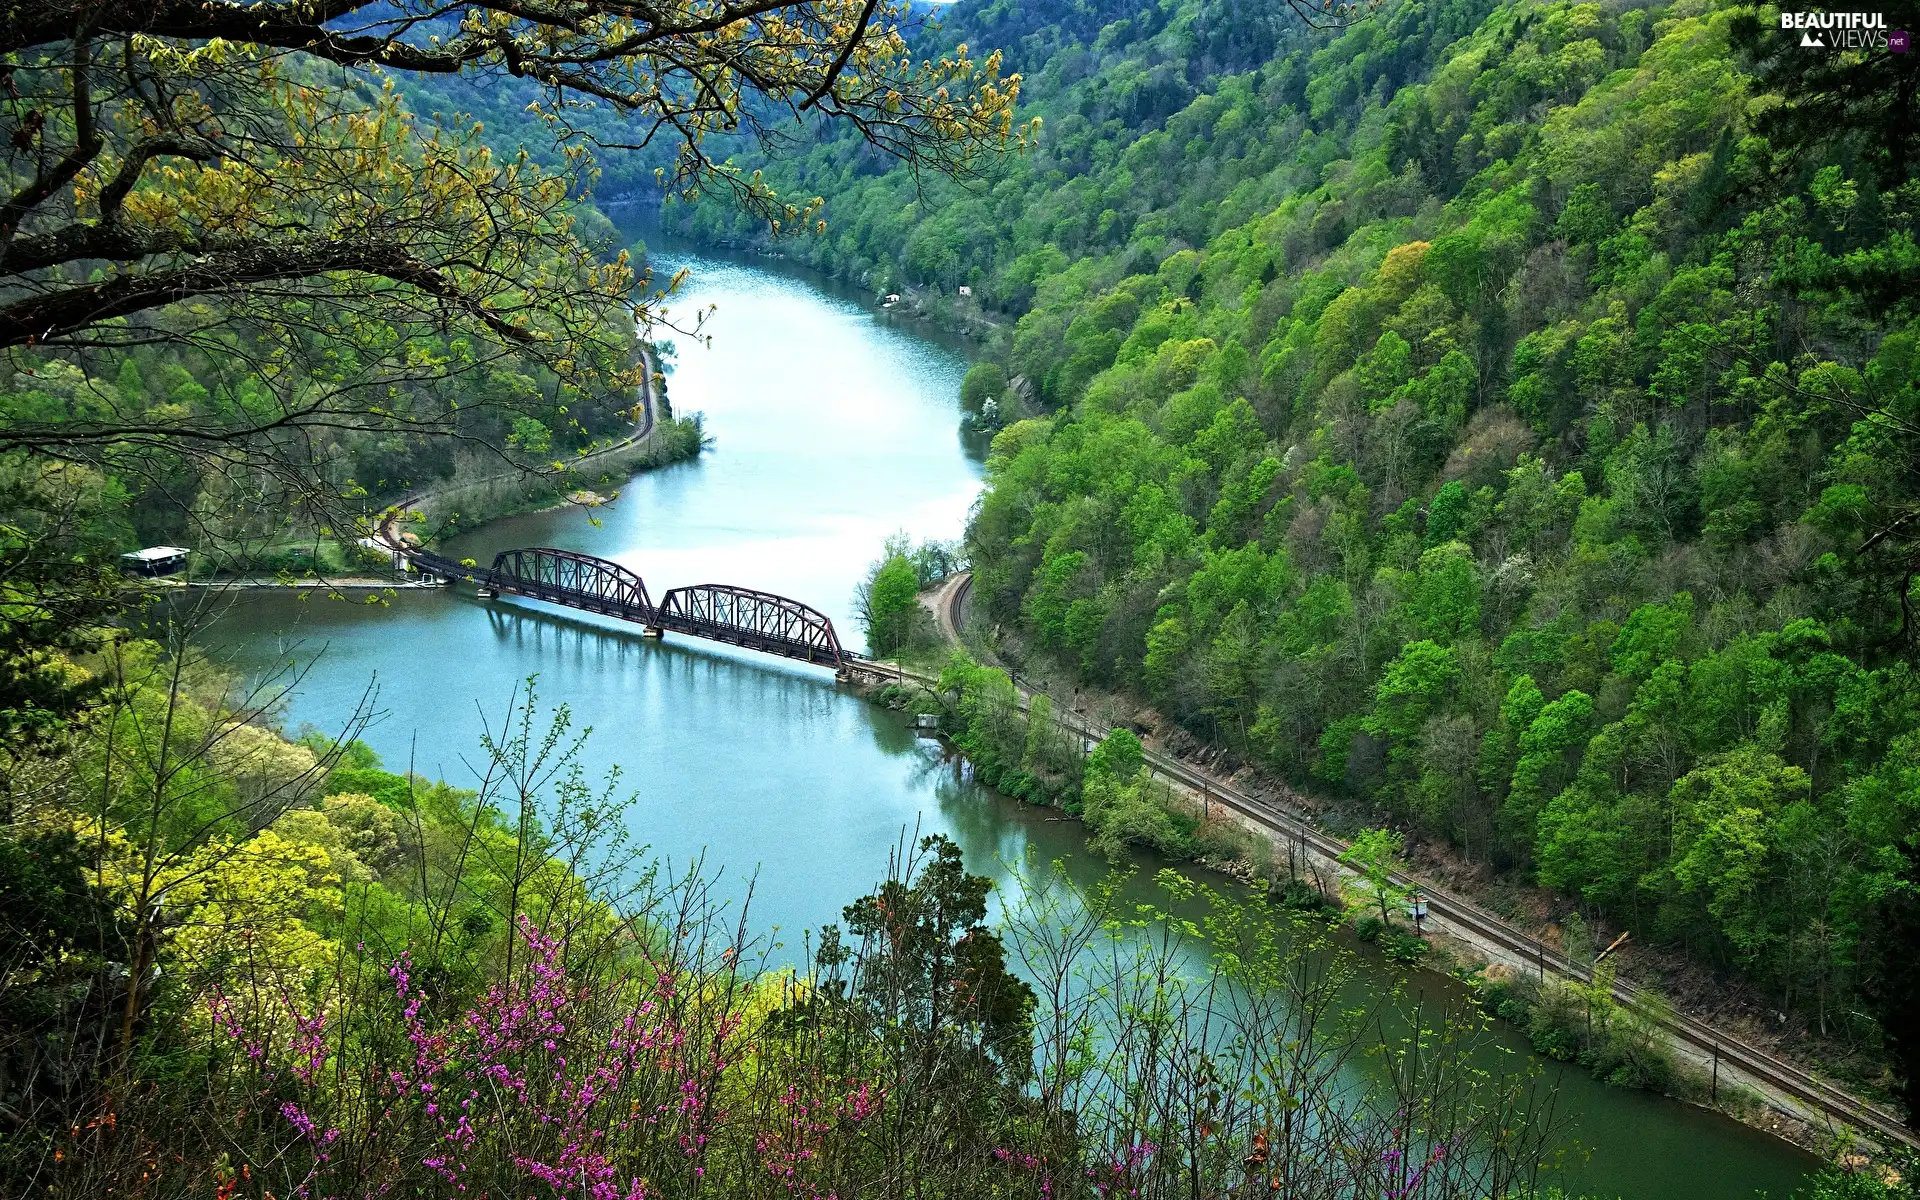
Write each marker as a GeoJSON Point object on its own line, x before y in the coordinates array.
{"type": "Point", "coordinates": [831, 429]}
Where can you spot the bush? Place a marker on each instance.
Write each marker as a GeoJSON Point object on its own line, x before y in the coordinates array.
{"type": "Point", "coordinates": [1581, 1023]}
{"type": "Point", "coordinates": [1369, 928]}
{"type": "Point", "coordinates": [1553, 1040]}
{"type": "Point", "coordinates": [1404, 947]}
{"type": "Point", "coordinates": [985, 381]}
{"type": "Point", "coordinates": [675, 439]}
{"type": "Point", "coordinates": [1130, 813]}
{"type": "Point", "coordinates": [1884, 1181]}
{"type": "Point", "coordinates": [1020, 753]}
{"type": "Point", "coordinates": [1124, 806]}
{"type": "Point", "coordinates": [1223, 842]}
{"type": "Point", "coordinates": [1301, 896]}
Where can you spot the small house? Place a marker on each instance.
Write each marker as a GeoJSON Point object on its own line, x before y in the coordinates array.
{"type": "Point", "coordinates": [154, 560]}
{"type": "Point", "coordinates": [965, 290]}
{"type": "Point", "coordinates": [893, 298]}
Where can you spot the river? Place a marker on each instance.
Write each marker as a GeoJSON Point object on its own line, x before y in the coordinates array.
{"type": "Point", "coordinates": [832, 426]}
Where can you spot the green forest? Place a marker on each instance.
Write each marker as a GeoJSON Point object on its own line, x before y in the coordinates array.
{"type": "Point", "coordinates": [268, 430]}
{"type": "Point", "coordinates": [1500, 414]}
{"type": "Point", "coordinates": [1500, 418]}
{"type": "Point", "coordinates": [242, 518]}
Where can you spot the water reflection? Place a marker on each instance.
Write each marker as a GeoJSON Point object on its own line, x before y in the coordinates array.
{"type": "Point", "coordinates": [831, 431]}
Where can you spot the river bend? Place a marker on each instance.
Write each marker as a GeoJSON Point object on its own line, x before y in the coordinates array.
{"type": "Point", "coordinates": [832, 427]}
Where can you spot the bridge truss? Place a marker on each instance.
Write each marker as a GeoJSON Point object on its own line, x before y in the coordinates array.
{"type": "Point", "coordinates": [573, 579]}
{"type": "Point", "coordinates": [756, 620]}
{"type": "Point", "coordinates": [716, 611]}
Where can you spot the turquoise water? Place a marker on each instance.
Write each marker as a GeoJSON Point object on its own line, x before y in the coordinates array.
{"type": "Point", "coordinates": [831, 429]}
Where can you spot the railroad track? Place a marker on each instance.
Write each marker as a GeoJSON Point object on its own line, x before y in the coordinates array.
{"type": "Point", "coordinates": [1783, 1076]}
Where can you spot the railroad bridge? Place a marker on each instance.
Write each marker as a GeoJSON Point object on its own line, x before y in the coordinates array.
{"type": "Point", "coordinates": [717, 611]}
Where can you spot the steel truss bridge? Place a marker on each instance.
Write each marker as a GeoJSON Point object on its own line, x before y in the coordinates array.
{"type": "Point", "coordinates": [717, 611]}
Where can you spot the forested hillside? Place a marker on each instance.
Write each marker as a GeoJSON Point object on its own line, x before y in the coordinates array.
{"type": "Point", "coordinates": [508, 402]}
{"type": "Point", "coordinates": [1501, 413]}
{"type": "Point", "coordinates": [256, 436]}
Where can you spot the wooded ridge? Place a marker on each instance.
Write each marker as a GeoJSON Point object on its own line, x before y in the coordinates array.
{"type": "Point", "coordinates": [1505, 414]}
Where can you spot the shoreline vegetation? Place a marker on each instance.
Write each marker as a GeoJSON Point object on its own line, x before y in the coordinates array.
{"type": "Point", "coordinates": [334, 978]}
{"type": "Point", "coordinates": [591, 479]}
{"type": "Point", "coordinates": [1496, 422]}
{"type": "Point", "coordinates": [1012, 737]}
{"type": "Point", "coordinates": [339, 837]}
{"type": "Point", "coordinates": [476, 492]}
{"type": "Point", "coordinates": [1564, 1016]}
{"type": "Point", "coordinates": [466, 908]}
{"type": "Point", "coordinates": [1137, 810]}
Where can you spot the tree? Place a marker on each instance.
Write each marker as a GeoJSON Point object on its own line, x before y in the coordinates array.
{"type": "Point", "coordinates": [985, 381]}
{"type": "Point", "coordinates": [1412, 687]}
{"type": "Point", "coordinates": [1119, 755]}
{"type": "Point", "coordinates": [1549, 739]}
{"type": "Point", "coordinates": [1865, 100]}
{"type": "Point", "coordinates": [59, 585]}
{"type": "Point", "coordinates": [188, 169]}
{"type": "Point", "coordinates": [937, 972]}
{"type": "Point", "coordinates": [244, 181]}
{"type": "Point", "coordinates": [889, 605]}
{"type": "Point", "coordinates": [1445, 596]}
{"type": "Point", "coordinates": [1376, 855]}
{"type": "Point", "coordinates": [60, 930]}
{"type": "Point", "coordinates": [1123, 807]}
{"type": "Point", "coordinates": [1725, 816]}
{"type": "Point", "coordinates": [181, 776]}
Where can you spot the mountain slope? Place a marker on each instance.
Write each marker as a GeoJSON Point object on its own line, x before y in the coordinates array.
{"type": "Point", "coordinates": [1500, 413]}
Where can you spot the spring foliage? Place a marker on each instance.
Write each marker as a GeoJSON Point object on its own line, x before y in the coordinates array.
{"type": "Point", "coordinates": [242, 965]}
{"type": "Point", "coordinates": [1502, 412]}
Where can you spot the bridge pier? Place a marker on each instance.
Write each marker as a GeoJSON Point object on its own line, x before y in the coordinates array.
{"type": "Point", "coordinates": [853, 670]}
{"type": "Point", "coordinates": [655, 632]}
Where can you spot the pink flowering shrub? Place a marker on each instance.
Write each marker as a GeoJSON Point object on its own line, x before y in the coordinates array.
{"type": "Point", "coordinates": [610, 1060]}
{"type": "Point", "coordinates": [550, 1084]}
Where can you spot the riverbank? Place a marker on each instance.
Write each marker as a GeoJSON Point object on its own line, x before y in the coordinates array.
{"type": "Point", "coordinates": [1734, 1076]}
{"type": "Point", "coordinates": [260, 583]}
{"type": "Point", "coordinates": [1719, 1069]}
{"type": "Point", "coordinates": [458, 505]}
{"type": "Point", "coordinates": [835, 429]}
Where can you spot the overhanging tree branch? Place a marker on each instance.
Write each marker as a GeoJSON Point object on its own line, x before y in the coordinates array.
{"type": "Point", "coordinates": [42, 318]}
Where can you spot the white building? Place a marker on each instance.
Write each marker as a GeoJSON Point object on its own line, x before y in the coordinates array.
{"type": "Point", "coordinates": [155, 560]}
